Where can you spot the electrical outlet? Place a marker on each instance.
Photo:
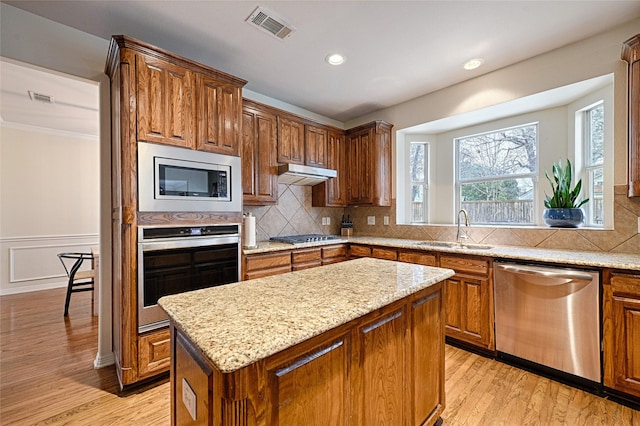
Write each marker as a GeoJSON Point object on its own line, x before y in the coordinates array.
{"type": "Point", "coordinates": [324, 220]}
{"type": "Point", "coordinates": [328, 220]}
{"type": "Point", "coordinates": [189, 398]}
{"type": "Point", "coordinates": [371, 220]}
{"type": "Point", "coordinates": [386, 220]}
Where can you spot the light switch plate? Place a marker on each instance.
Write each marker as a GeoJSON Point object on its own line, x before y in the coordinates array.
{"type": "Point", "coordinates": [189, 398]}
{"type": "Point", "coordinates": [639, 225]}
{"type": "Point", "coordinates": [328, 220]}
{"type": "Point", "coordinates": [385, 220]}
{"type": "Point", "coordinates": [371, 220]}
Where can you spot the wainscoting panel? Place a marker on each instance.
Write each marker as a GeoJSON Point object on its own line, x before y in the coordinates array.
{"type": "Point", "coordinates": [31, 263]}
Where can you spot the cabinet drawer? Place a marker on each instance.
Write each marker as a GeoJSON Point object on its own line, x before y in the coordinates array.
{"type": "Point", "coordinates": [307, 255]}
{"type": "Point", "coordinates": [261, 273]}
{"type": "Point", "coordinates": [625, 284]}
{"type": "Point", "coordinates": [265, 261]}
{"type": "Point", "coordinates": [417, 257]}
{"type": "Point", "coordinates": [332, 252]}
{"type": "Point", "coordinates": [384, 253]}
{"type": "Point", "coordinates": [154, 352]}
{"type": "Point", "coordinates": [464, 264]}
{"type": "Point", "coordinates": [360, 251]}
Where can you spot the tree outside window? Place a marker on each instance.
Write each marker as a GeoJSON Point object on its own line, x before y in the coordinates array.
{"type": "Point", "coordinates": [594, 163]}
{"type": "Point", "coordinates": [496, 175]}
{"type": "Point", "coordinates": [418, 163]}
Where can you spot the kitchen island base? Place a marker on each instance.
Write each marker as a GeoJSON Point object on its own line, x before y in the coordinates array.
{"type": "Point", "coordinates": [383, 368]}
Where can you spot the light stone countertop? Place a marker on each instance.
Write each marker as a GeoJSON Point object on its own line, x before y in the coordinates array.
{"type": "Point", "coordinates": [564, 257]}
{"type": "Point", "coordinates": [238, 324]}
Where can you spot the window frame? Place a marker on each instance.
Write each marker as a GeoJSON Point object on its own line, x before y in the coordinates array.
{"type": "Point", "coordinates": [534, 176]}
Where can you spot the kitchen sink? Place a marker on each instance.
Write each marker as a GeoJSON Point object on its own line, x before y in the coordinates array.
{"type": "Point", "coordinates": [455, 245]}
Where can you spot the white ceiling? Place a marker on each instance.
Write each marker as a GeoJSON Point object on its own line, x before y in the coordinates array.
{"type": "Point", "coordinates": [396, 50]}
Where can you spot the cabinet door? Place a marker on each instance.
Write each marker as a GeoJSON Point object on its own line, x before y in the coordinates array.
{"type": "Point", "coordinates": [468, 310]}
{"type": "Point", "coordinates": [290, 141]}
{"type": "Point", "coordinates": [418, 257]}
{"type": "Point", "coordinates": [219, 108]}
{"type": "Point", "coordinates": [384, 253]}
{"type": "Point", "coordinates": [259, 176]}
{"type": "Point", "coordinates": [622, 333]}
{"type": "Point", "coordinates": [310, 389]}
{"type": "Point", "coordinates": [165, 102]}
{"type": "Point", "coordinates": [631, 54]}
{"type": "Point", "coordinates": [154, 352]}
{"type": "Point", "coordinates": [359, 183]}
{"type": "Point", "coordinates": [332, 192]}
{"type": "Point", "coordinates": [378, 387]}
{"type": "Point", "coordinates": [315, 146]}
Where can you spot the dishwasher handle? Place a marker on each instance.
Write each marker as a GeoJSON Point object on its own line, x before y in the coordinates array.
{"type": "Point", "coordinates": [545, 272]}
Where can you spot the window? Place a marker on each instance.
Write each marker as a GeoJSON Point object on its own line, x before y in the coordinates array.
{"type": "Point", "coordinates": [594, 164]}
{"type": "Point", "coordinates": [419, 175]}
{"type": "Point", "coordinates": [496, 176]}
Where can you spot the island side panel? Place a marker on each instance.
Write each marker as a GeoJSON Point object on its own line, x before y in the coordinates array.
{"type": "Point", "coordinates": [426, 365]}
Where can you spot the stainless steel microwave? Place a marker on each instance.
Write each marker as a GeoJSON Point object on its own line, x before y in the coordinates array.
{"type": "Point", "coordinates": [172, 179]}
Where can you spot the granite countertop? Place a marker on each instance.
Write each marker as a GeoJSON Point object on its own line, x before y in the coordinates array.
{"type": "Point", "coordinates": [565, 257]}
{"type": "Point", "coordinates": [238, 324]}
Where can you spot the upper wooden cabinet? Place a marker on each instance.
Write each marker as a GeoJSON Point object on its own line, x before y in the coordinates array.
{"type": "Point", "coordinates": [219, 109]}
{"type": "Point", "coordinates": [259, 174]}
{"type": "Point", "coordinates": [631, 54]}
{"type": "Point", "coordinates": [179, 102]}
{"type": "Point", "coordinates": [290, 140]}
{"type": "Point", "coordinates": [332, 192]}
{"type": "Point", "coordinates": [315, 146]}
{"type": "Point", "coordinates": [165, 98]}
{"type": "Point", "coordinates": [368, 175]}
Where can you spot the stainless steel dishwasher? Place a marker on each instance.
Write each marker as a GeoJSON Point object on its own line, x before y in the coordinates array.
{"type": "Point", "coordinates": [549, 316]}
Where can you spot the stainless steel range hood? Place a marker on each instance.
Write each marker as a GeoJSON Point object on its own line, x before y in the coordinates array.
{"type": "Point", "coordinates": [296, 174]}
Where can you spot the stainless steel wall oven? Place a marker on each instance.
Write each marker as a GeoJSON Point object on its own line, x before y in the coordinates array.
{"type": "Point", "coordinates": [178, 259]}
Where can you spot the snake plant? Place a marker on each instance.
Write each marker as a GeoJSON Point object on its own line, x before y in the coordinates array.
{"type": "Point", "coordinates": [563, 196]}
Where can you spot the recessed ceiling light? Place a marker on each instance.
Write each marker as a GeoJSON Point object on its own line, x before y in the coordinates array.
{"type": "Point", "coordinates": [335, 59]}
{"type": "Point", "coordinates": [474, 63]}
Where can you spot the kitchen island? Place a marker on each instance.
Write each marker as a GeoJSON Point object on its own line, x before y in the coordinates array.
{"type": "Point", "coordinates": [354, 343]}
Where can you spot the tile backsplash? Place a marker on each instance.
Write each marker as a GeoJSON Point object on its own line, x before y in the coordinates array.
{"type": "Point", "coordinates": [294, 215]}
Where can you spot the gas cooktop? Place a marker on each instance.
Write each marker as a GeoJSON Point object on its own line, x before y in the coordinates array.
{"type": "Point", "coordinates": [306, 238]}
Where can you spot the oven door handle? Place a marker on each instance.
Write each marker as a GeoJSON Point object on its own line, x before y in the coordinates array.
{"type": "Point", "coordinates": [187, 243]}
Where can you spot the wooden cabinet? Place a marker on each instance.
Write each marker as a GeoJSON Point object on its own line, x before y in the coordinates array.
{"type": "Point", "coordinates": [417, 257]}
{"type": "Point", "coordinates": [315, 146]}
{"type": "Point", "coordinates": [161, 98]}
{"type": "Point", "coordinates": [356, 251]}
{"type": "Point", "coordinates": [334, 254]}
{"type": "Point", "coordinates": [306, 258]}
{"type": "Point", "coordinates": [154, 352]}
{"type": "Point", "coordinates": [218, 117]}
{"type": "Point", "coordinates": [368, 164]}
{"type": "Point", "coordinates": [259, 166]}
{"type": "Point", "coordinates": [165, 95]}
{"type": "Point", "coordinates": [621, 311]}
{"type": "Point", "coordinates": [469, 314]}
{"type": "Point", "coordinates": [631, 54]}
{"type": "Point", "coordinates": [387, 253]}
{"type": "Point", "coordinates": [332, 192]}
{"type": "Point", "coordinates": [290, 140]}
{"type": "Point", "coordinates": [266, 264]}
{"type": "Point", "coordinates": [384, 368]}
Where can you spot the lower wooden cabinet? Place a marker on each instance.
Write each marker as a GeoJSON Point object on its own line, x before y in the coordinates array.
{"type": "Point", "coordinates": [469, 313]}
{"type": "Point", "coordinates": [154, 350]}
{"type": "Point", "coordinates": [417, 257]}
{"type": "Point", "coordinates": [334, 254]}
{"type": "Point", "coordinates": [387, 253]}
{"type": "Point", "coordinates": [356, 251]}
{"type": "Point", "coordinates": [265, 264]}
{"type": "Point", "coordinates": [621, 310]}
{"type": "Point", "coordinates": [306, 258]}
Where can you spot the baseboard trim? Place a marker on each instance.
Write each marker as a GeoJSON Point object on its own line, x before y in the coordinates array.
{"type": "Point", "coordinates": [104, 360]}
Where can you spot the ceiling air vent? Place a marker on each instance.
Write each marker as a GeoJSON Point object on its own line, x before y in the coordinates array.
{"type": "Point", "coordinates": [40, 97]}
{"type": "Point", "coordinates": [271, 23]}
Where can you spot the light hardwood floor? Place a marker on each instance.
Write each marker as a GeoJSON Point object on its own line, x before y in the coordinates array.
{"type": "Point", "coordinates": [47, 377]}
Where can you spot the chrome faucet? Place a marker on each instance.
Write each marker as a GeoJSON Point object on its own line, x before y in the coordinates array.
{"type": "Point", "coordinates": [466, 223]}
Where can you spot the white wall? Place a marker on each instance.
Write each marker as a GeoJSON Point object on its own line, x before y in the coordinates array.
{"type": "Point", "coordinates": [589, 58]}
{"type": "Point", "coordinates": [50, 203]}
